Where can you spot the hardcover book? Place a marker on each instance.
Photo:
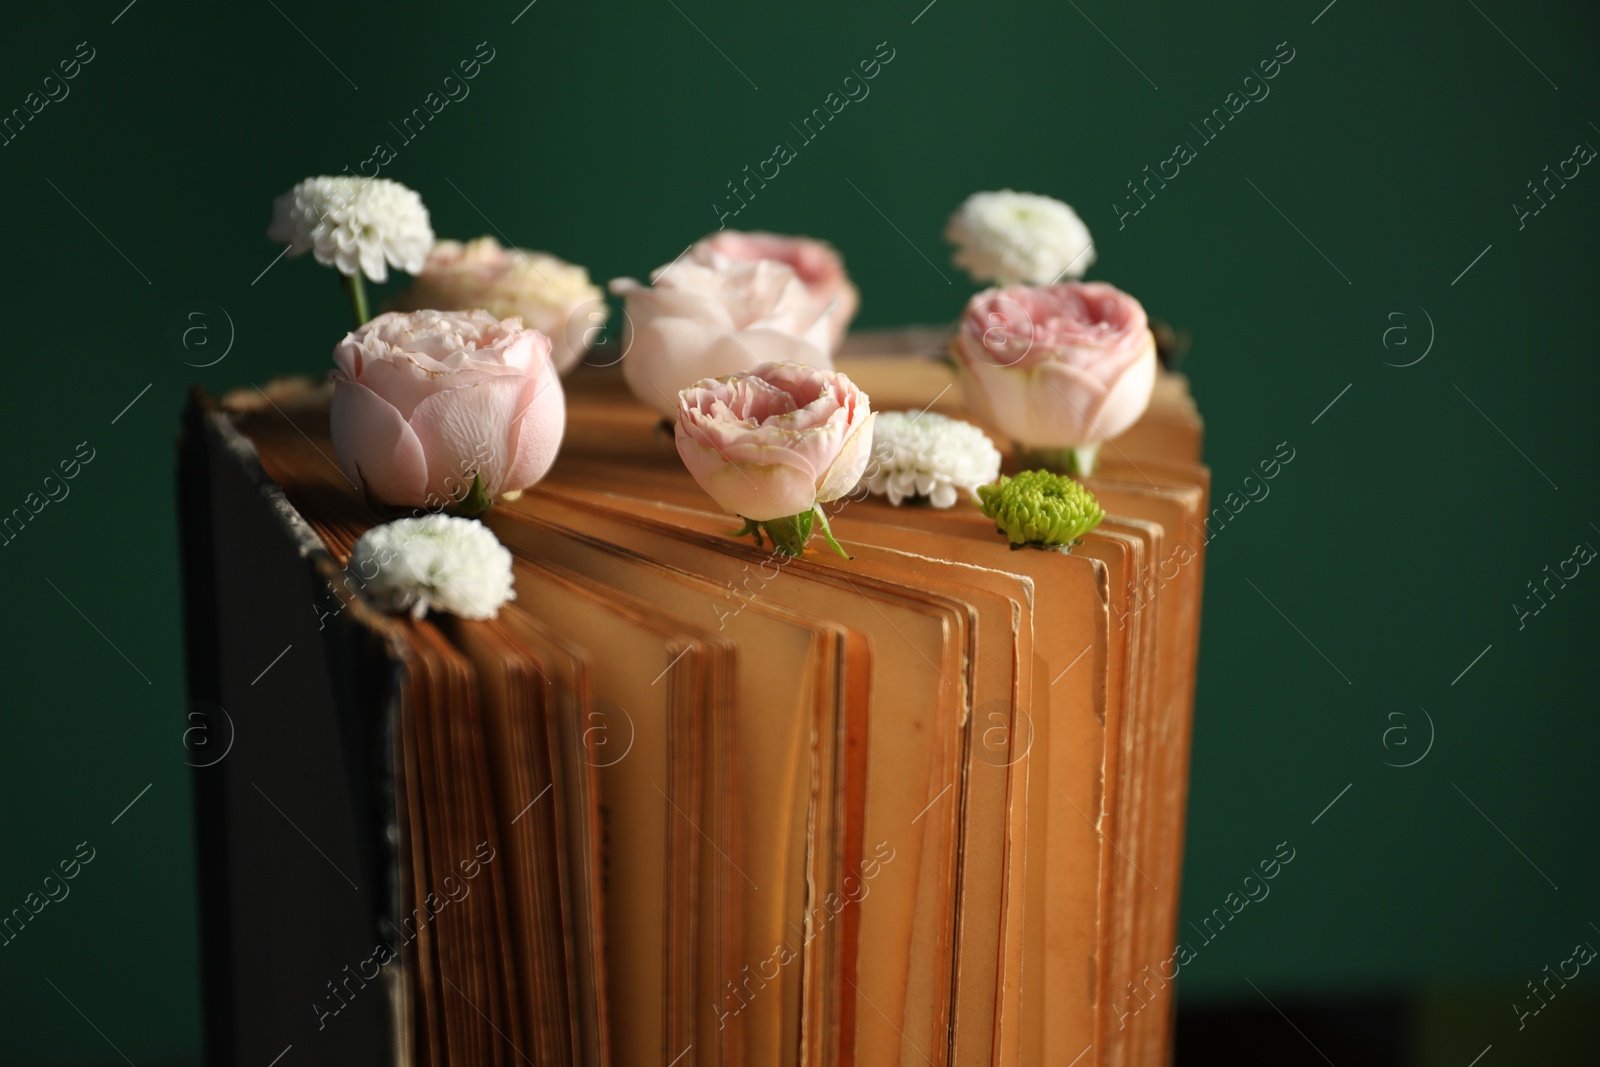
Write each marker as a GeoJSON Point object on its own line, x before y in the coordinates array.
{"type": "Point", "coordinates": [683, 801]}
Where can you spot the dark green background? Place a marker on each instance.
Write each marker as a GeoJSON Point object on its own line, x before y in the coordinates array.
{"type": "Point", "coordinates": [1396, 541]}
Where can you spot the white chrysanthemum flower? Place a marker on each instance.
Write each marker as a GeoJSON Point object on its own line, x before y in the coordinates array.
{"type": "Point", "coordinates": [929, 455]}
{"type": "Point", "coordinates": [1009, 237]}
{"type": "Point", "coordinates": [355, 224]}
{"type": "Point", "coordinates": [437, 562]}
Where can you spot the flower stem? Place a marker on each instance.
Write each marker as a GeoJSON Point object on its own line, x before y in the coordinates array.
{"type": "Point", "coordinates": [1078, 462]}
{"type": "Point", "coordinates": [1085, 458]}
{"type": "Point", "coordinates": [356, 286]}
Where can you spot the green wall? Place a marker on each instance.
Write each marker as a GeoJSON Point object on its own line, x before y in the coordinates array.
{"type": "Point", "coordinates": [1387, 156]}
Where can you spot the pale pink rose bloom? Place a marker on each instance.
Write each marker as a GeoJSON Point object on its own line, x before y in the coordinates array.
{"type": "Point", "coordinates": [815, 263]}
{"type": "Point", "coordinates": [423, 401]}
{"type": "Point", "coordinates": [776, 440]}
{"type": "Point", "coordinates": [701, 321]}
{"type": "Point", "coordinates": [547, 293]}
{"type": "Point", "coordinates": [1056, 366]}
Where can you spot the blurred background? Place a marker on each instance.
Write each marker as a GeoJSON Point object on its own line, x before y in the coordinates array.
{"type": "Point", "coordinates": [1373, 259]}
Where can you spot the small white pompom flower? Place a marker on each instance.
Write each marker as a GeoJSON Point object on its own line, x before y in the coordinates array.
{"type": "Point", "coordinates": [1009, 237]}
{"type": "Point", "coordinates": [437, 562]}
{"type": "Point", "coordinates": [355, 224]}
{"type": "Point", "coordinates": [929, 455]}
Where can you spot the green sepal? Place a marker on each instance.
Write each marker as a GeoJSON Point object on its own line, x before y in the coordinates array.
{"type": "Point", "coordinates": [791, 533]}
{"type": "Point", "coordinates": [473, 502]}
{"type": "Point", "coordinates": [366, 491]}
{"type": "Point", "coordinates": [827, 534]}
{"type": "Point", "coordinates": [753, 529]}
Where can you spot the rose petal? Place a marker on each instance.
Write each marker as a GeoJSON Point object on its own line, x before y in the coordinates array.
{"type": "Point", "coordinates": [1127, 400]}
{"type": "Point", "coordinates": [757, 491]}
{"type": "Point", "coordinates": [375, 446]}
{"type": "Point", "coordinates": [463, 432]}
{"type": "Point", "coordinates": [405, 382]}
{"type": "Point", "coordinates": [644, 303]}
{"type": "Point", "coordinates": [1061, 402]}
{"type": "Point", "coordinates": [851, 461]}
{"type": "Point", "coordinates": [668, 354]}
{"type": "Point", "coordinates": [773, 346]}
{"type": "Point", "coordinates": [537, 433]}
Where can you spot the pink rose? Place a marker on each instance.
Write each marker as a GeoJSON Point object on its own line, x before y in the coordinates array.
{"type": "Point", "coordinates": [424, 401]}
{"type": "Point", "coordinates": [1056, 366]}
{"type": "Point", "coordinates": [814, 262]}
{"type": "Point", "coordinates": [702, 320]}
{"type": "Point", "coordinates": [775, 441]}
{"type": "Point", "coordinates": [548, 294]}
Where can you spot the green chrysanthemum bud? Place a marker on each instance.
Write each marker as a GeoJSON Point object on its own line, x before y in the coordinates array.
{"type": "Point", "coordinates": [1040, 509]}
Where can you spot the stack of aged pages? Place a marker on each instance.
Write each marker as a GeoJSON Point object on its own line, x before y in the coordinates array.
{"type": "Point", "coordinates": [684, 802]}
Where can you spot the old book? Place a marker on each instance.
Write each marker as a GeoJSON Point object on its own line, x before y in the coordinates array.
{"type": "Point", "coordinates": [683, 802]}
